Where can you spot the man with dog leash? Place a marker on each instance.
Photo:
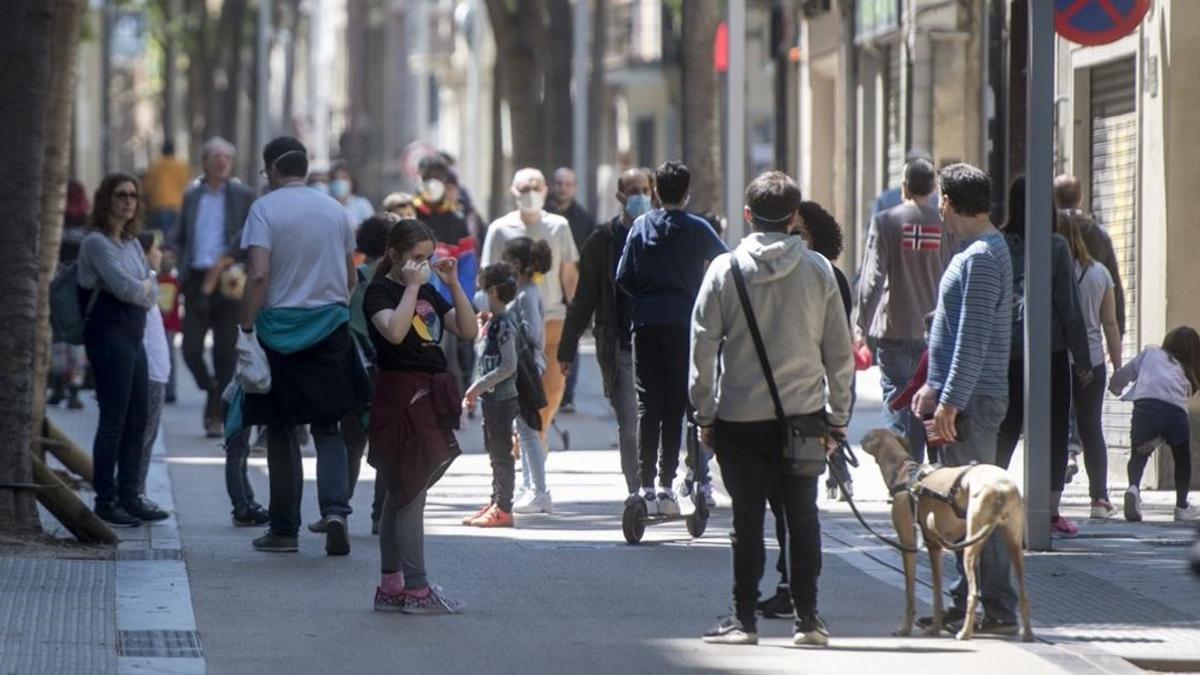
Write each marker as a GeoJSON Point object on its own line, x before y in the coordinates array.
{"type": "Point", "coordinates": [967, 388]}
{"type": "Point", "coordinates": [772, 314]}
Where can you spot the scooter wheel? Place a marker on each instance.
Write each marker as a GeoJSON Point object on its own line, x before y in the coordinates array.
{"type": "Point", "coordinates": [696, 524]}
{"type": "Point", "coordinates": [633, 521]}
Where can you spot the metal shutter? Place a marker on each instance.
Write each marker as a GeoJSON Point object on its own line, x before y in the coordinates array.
{"type": "Point", "coordinates": [894, 119]}
{"type": "Point", "coordinates": [1114, 140]}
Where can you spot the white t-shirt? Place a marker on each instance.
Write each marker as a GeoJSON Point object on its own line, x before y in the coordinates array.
{"type": "Point", "coordinates": [552, 229]}
{"type": "Point", "coordinates": [1093, 284]}
{"type": "Point", "coordinates": [158, 359]}
{"type": "Point", "coordinates": [309, 236]}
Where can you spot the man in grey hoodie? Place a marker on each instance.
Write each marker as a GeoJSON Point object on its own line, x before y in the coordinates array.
{"type": "Point", "coordinates": [799, 309]}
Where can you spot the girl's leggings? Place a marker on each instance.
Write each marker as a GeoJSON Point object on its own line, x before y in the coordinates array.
{"type": "Point", "coordinates": [402, 541]}
{"type": "Point", "coordinates": [1154, 420]}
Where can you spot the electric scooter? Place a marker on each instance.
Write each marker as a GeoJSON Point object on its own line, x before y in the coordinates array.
{"type": "Point", "coordinates": [636, 518]}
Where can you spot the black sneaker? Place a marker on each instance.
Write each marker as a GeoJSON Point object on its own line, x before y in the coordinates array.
{"type": "Point", "coordinates": [146, 510]}
{"type": "Point", "coordinates": [732, 631]}
{"type": "Point", "coordinates": [250, 516]}
{"type": "Point", "coordinates": [778, 606]}
{"type": "Point", "coordinates": [374, 527]}
{"type": "Point", "coordinates": [276, 543]}
{"type": "Point", "coordinates": [117, 516]}
{"type": "Point", "coordinates": [337, 536]}
{"type": "Point", "coordinates": [811, 631]}
{"type": "Point", "coordinates": [567, 408]}
{"type": "Point", "coordinates": [951, 620]}
{"type": "Point", "coordinates": [990, 626]}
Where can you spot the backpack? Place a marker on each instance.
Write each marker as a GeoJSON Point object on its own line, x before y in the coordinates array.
{"type": "Point", "coordinates": [67, 318]}
{"type": "Point", "coordinates": [531, 395]}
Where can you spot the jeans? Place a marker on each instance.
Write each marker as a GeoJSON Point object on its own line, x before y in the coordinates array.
{"type": "Point", "coordinates": [1088, 402]}
{"type": "Point", "coordinates": [625, 405]}
{"type": "Point", "coordinates": [120, 370]}
{"type": "Point", "coordinates": [237, 476]}
{"type": "Point", "coordinates": [1060, 417]}
{"type": "Point", "coordinates": [1152, 420]}
{"type": "Point", "coordinates": [155, 394]}
{"type": "Point", "coordinates": [287, 475]}
{"type": "Point", "coordinates": [220, 315]}
{"type": "Point", "coordinates": [660, 364]}
{"type": "Point", "coordinates": [898, 360]}
{"type": "Point", "coordinates": [402, 541]}
{"type": "Point", "coordinates": [498, 419]}
{"type": "Point", "coordinates": [749, 455]}
{"type": "Point", "coordinates": [533, 456]}
{"type": "Point", "coordinates": [996, 591]}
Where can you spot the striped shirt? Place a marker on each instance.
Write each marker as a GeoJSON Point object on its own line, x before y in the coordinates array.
{"type": "Point", "coordinates": [972, 327]}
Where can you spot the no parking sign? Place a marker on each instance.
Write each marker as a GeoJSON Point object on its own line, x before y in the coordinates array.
{"type": "Point", "coordinates": [1097, 22]}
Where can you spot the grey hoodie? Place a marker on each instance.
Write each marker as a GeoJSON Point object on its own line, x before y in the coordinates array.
{"type": "Point", "coordinates": [800, 314]}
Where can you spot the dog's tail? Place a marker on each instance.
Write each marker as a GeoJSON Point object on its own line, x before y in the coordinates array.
{"type": "Point", "coordinates": [932, 533]}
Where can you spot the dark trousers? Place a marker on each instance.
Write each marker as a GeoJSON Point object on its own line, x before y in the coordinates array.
{"type": "Point", "coordinates": [660, 367]}
{"type": "Point", "coordinates": [119, 368]}
{"type": "Point", "coordinates": [749, 455]}
{"type": "Point", "coordinates": [204, 313]}
{"type": "Point", "coordinates": [355, 435]}
{"type": "Point", "coordinates": [287, 475]}
{"type": "Point", "coordinates": [1152, 420]}
{"type": "Point", "coordinates": [498, 419]}
{"type": "Point", "coordinates": [237, 474]}
{"type": "Point", "coordinates": [171, 387]}
{"type": "Point", "coordinates": [1060, 417]}
{"type": "Point", "coordinates": [1088, 403]}
{"type": "Point", "coordinates": [569, 392]}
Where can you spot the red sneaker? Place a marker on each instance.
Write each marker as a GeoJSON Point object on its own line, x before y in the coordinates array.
{"type": "Point", "coordinates": [494, 517]}
{"type": "Point", "coordinates": [386, 602]}
{"type": "Point", "coordinates": [469, 520]}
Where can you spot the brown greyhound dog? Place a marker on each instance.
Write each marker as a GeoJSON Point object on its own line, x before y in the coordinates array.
{"type": "Point", "coordinates": [953, 504]}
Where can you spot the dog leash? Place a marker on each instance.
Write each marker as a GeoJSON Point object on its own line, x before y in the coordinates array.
{"type": "Point", "coordinates": [852, 460]}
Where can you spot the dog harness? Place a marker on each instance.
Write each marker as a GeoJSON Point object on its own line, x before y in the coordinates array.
{"type": "Point", "coordinates": [925, 481]}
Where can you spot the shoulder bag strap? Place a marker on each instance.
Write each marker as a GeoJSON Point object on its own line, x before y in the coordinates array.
{"type": "Point", "coordinates": [740, 281]}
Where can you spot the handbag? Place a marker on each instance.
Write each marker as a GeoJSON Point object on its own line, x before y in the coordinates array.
{"type": "Point", "coordinates": [804, 436]}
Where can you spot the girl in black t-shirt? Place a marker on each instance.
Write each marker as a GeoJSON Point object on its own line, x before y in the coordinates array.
{"type": "Point", "coordinates": [416, 408]}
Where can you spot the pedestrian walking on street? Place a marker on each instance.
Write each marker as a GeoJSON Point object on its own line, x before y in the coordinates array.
{"type": "Point", "coordinates": [557, 287]}
{"type": "Point", "coordinates": [165, 183]}
{"type": "Point", "coordinates": [665, 256]}
{"type": "Point", "coordinates": [967, 386]}
{"type": "Point", "coordinates": [1097, 304]}
{"type": "Point", "coordinates": [906, 252]}
{"type": "Point", "coordinates": [300, 246]}
{"type": "Point", "coordinates": [496, 385]}
{"type": "Point", "coordinates": [158, 367]}
{"type": "Point", "coordinates": [1070, 358]}
{"type": "Point", "coordinates": [612, 310]}
{"type": "Point", "coordinates": [343, 188]}
{"type": "Point", "coordinates": [1068, 196]}
{"type": "Point", "coordinates": [116, 291]}
{"type": "Point", "coordinates": [209, 241]}
{"type": "Point", "coordinates": [416, 409]}
{"type": "Point", "coordinates": [68, 363]}
{"type": "Point", "coordinates": [529, 259]}
{"type": "Point", "coordinates": [774, 291]}
{"type": "Point", "coordinates": [563, 203]}
{"type": "Point", "coordinates": [1162, 379]}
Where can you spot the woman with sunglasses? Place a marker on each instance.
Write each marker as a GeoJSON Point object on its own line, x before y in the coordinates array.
{"type": "Point", "coordinates": [116, 288]}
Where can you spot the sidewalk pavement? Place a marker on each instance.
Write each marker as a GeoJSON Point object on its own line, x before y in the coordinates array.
{"type": "Point", "coordinates": [565, 593]}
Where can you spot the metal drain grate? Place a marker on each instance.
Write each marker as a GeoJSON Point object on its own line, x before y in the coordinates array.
{"type": "Point", "coordinates": [160, 643]}
{"type": "Point", "coordinates": [150, 554]}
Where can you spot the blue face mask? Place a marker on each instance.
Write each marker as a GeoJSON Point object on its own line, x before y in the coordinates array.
{"type": "Point", "coordinates": [637, 205]}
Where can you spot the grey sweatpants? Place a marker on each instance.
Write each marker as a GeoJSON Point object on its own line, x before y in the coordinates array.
{"type": "Point", "coordinates": [402, 541]}
{"type": "Point", "coordinates": [156, 393]}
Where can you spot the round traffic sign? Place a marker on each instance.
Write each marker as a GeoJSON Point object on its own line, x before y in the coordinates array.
{"type": "Point", "coordinates": [1098, 22]}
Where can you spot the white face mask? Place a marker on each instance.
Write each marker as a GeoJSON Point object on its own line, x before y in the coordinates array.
{"type": "Point", "coordinates": [531, 201]}
{"type": "Point", "coordinates": [424, 271]}
{"type": "Point", "coordinates": [435, 190]}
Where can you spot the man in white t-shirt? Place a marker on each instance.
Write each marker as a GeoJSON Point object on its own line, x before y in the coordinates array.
{"type": "Point", "coordinates": [557, 286]}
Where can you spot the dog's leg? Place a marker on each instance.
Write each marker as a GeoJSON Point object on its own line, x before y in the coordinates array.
{"type": "Point", "coordinates": [971, 569]}
{"type": "Point", "coordinates": [1014, 533]}
{"type": "Point", "coordinates": [910, 592]}
{"type": "Point", "coordinates": [935, 568]}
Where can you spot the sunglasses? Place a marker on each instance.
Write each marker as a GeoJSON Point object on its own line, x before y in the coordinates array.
{"type": "Point", "coordinates": [125, 195]}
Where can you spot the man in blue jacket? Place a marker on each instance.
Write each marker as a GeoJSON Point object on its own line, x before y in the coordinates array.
{"type": "Point", "coordinates": [661, 268]}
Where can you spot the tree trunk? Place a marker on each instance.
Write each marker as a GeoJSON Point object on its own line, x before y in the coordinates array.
{"type": "Point", "coordinates": [24, 77]}
{"type": "Point", "coordinates": [64, 48]}
{"type": "Point", "coordinates": [199, 76]}
{"type": "Point", "coordinates": [519, 33]}
{"type": "Point", "coordinates": [559, 129]}
{"type": "Point", "coordinates": [699, 101]}
{"type": "Point", "coordinates": [287, 124]}
{"type": "Point", "coordinates": [597, 100]}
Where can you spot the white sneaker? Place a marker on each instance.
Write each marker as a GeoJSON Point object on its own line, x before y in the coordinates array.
{"type": "Point", "coordinates": [651, 503]}
{"type": "Point", "coordinates": [707, 491]}
{"type": "Point", "coordinates": [535, 502]}
{"type": "Point", "coordinates": [1187, 513]}
{"type": "Point", "coordinates": [1102, 509]}
{"type": "Point", "coordinates": [1133, 504]}
{"type": "Point", "coordinates": [667, 504]}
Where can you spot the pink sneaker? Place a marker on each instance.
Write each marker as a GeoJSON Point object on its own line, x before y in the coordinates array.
{"type": "Point", "coordinates": [388, 602]}
{"type": "Point", "coordinates": [1062, 528]}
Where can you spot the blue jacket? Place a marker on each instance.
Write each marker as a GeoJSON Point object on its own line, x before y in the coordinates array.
{"type": "Point", "coordinates": [663, 264]}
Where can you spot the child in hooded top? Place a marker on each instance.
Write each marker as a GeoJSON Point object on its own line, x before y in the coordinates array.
{"type": "Point", "coordinates": [1163, 379]}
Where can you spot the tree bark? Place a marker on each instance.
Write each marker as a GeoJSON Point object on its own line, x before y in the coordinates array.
{"type": "Point", "coordinates": [519, 32]}
{"type": "Point", "coordinates": [287, 123]}
{"type": "Point", "coordinates": [699, 102]}
{"type": "Point", "coordinates": [64, 48]}
{"type": "Point", "coordinates": [24, 77]}
{"type": "Point", "coordinates": [597, 100]}
{"type": "Point", "coordinates": [559, 110]}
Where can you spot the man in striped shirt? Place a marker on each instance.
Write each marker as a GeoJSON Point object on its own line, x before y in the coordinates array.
{"type": "Point", "coordinates": [968, 367]}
